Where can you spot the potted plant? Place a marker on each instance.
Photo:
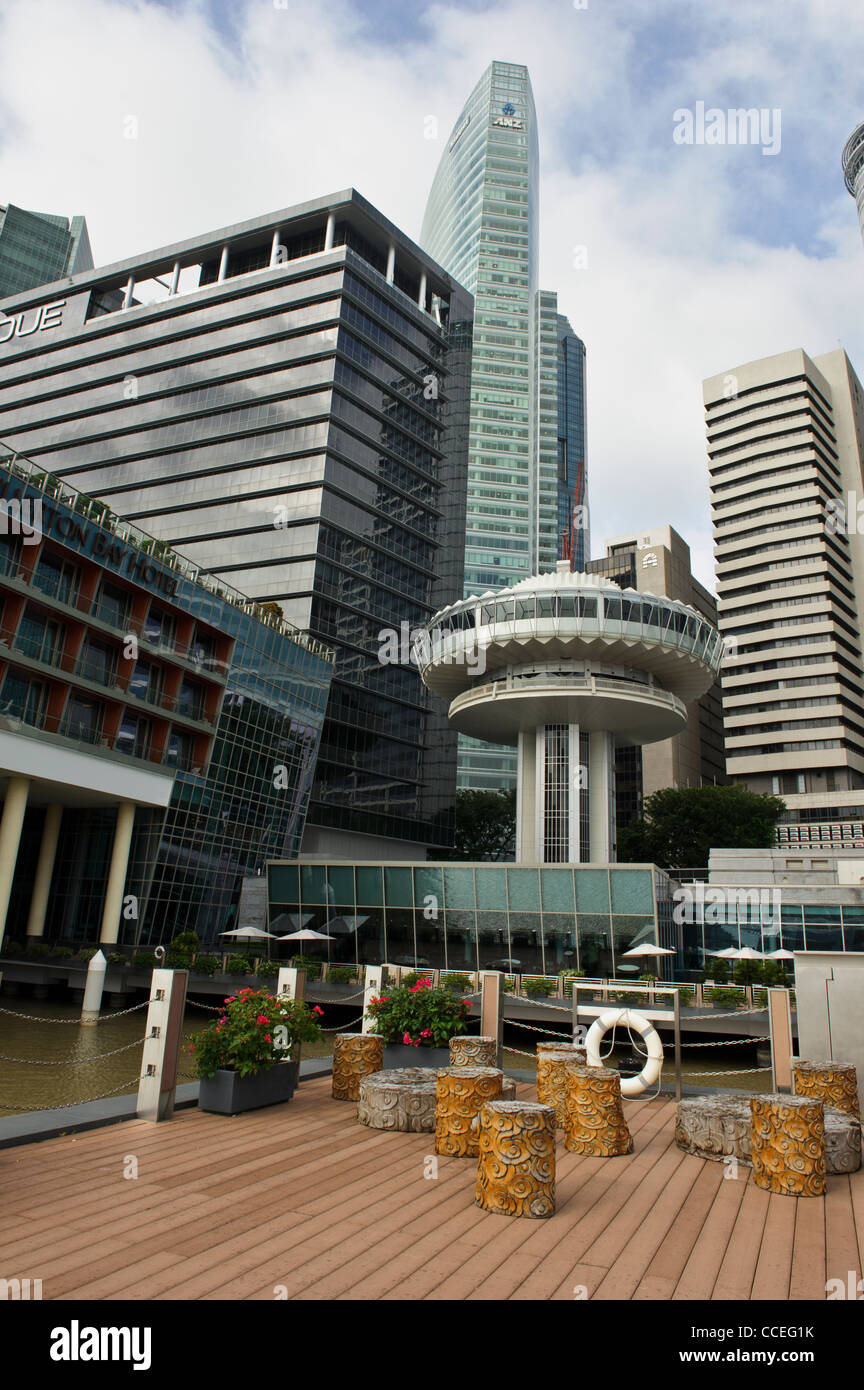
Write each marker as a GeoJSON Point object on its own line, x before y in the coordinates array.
{"type": "Point", "coordinates": [244, 1058]}
{"type": "Point", "coordinates": [417, 1023]}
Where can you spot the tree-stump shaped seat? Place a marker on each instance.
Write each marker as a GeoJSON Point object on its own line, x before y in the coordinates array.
{"type": "Point", "coordinates": [402, 1098]}
{"type": "Point", "coordinates": [834, 1083]}
{"type": "Point", "coordinates": [481, 1051]}
{"type": "Point", "coordinates": [788, 1139]}
{"type": "Point", "coordinates": [516, 1159]}
{"type": "Point", "coordinates": [460, 1092]}
{"type": "Point", "coordinates": [595, 1123]}
{"type": "Point", "coordinates": [552, 1065]}
{"type": "Point", "coordinates": [355, 1055]}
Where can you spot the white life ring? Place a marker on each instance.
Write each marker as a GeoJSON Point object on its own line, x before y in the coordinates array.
{"type": "Point", "coordinates": [650, 1073]}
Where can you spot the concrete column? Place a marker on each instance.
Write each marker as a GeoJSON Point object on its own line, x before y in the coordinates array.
{"type": "Point", "coordinates": [223, 265]}
{"type": "Point", "coordinates": [128, 292]}
{"type": "Point", "coordinates": [601, 772]}
{"type": "Point", "coordinates": [421, 298]}
{"type": "Point", "coordinates": [175, 279]}
{"type": "Point", "coordinates": [44, 870]}
{"type": "Point", "coordinates": [391, 263]}
{"type": "Point", "coordinates": [526, 798]}
{"type": "Point", "coordinates": [17, 790]}
{"type": "Point", "coordinates": [117, 872]}
{"type": "Point", "coordinates": [329, 231]}
{"type": "Point", "coordinates": [274, 248]}
{"type": "Point", "coordinates": [574, 827]}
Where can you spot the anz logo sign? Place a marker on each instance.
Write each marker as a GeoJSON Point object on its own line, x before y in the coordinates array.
{"type": "Point", "coordinates": [509, 119]}
{"type": "Point", "coordinates": [31, 321]}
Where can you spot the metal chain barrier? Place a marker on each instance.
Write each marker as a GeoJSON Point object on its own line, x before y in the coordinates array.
{"type": "Point", "coordinates": [341, 1027]}
{"type": "Point", "coordinates": [103, 1018]}
{"type": "Point", "coordinates": [732, 1042]}
{"type": "Point", "coordinates": [73, 1061]}
{"type": "Point", "coordinates": [531, 1029]}
{"type": "Point", "coordinates": [67, 1105]}
{"type": "Point", "coordinates": [730, 1071]}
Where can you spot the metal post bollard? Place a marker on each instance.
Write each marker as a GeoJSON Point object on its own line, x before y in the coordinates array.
{"type": "Point", "coordinates": [93, 988]}
{"type": "Point", "coordinates": [372, 986]}
{"type": "Point", "coordinates": [491, 1007]}
{"type": "Point", "coordinates": [161, 1054]}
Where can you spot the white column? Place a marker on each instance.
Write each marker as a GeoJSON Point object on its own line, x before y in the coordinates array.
{"type": "Point", "coordinates": [574, 826]}
{"type": "Point", "coordinates": [526, 798]}
{"type": "Point", "coordinates": [391, 262]}
{"type": "Point", "coordinates": [117, 872]}
{"type": "Point", "coordinates": [421, 298]}
{"type": "Point", "coordinates": [17, 789]}
{"type": "Point", "coordinates": [601, 772]}
{"type": "Point", "coordinates": [44, 870]}
{"type": "Point", "coordinates": [129, 291]}
{"type": "Point", "coordinates": [274, 248]}
{"type": "Point", "coordinates": [175, 278]}
{"type": "Point", "coordinates": [223, 266]}
{"type": "Point", "coordinates": [329, 231]}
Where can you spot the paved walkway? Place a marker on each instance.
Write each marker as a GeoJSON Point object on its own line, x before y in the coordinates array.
{"type": "Point", "coordinates": [302, 1200]}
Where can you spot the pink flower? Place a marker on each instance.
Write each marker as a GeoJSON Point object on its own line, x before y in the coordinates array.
{"type": "Point", "coordinates": [427, 1033]}
{"type": "Point", "coordinates": [406, 1038]}
{"type": "Point", "coordinates": [262, 1019]}
{"type": "Point", "coordinates": [229, 1000]}
{"type": "Point", "coordinates": [383, 1000]}
{"type": "Point", "coordinates": [316, 1010]}
{"type": "Point", "coordinates": [267, 1037]}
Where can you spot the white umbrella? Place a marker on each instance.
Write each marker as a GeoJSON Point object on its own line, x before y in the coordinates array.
{"type": "Point", "coordinates": [250, 933]}
{"type": "Point", "coordinates": [780, 955]}
{"type": "Point", "coordinates": [306, 934]}
{"type": "Point", "coordinates": [648, 948]}
{"type": "Point", "coordinates": [730, 953]}
{"type": "Point", "coordinates": [747, 953]}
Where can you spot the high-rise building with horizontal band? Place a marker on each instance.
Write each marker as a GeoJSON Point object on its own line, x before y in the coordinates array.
{"type": "Point", "coordinates": [786, 447]}
{"type": "Point", "coordinates": [285, 403]}
{"type": "Point", "coordinates": [37, 248]}
{"type": "Point", "coordinates": [853, 169]}
{"type": "Point", "coordinates": [573, 525]}
{"type": "Point", "coordinates": [481, 224]}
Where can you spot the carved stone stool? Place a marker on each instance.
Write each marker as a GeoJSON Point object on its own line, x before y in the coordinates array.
{"type": "Point", "coordinates": [473, 1052]}
{"type": "Point", "coordinates": [578, 1052]}
{"type": "Point", "coordinates": [835, 1083]}
{"type": "Point", "coordinates": [594, 1118]}
{"type": "Point", "coordinates": [460, 1093]}
{"type": "Point", "coordinates": [788, 1138]}
{"type": "Point", "coordinates": [402, 1099]}
{"type": "Point", "coordinates": [552, 1077]}
{"type": "Point", "coordinates": [355, 1055]}
{"type": "Point", "coordinates": [718, 1126]}
{"type": "Point", "coordinates": [516, 1159]}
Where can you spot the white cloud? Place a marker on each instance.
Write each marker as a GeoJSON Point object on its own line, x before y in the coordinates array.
{"type": "Point", "coordinates": [692, 268]}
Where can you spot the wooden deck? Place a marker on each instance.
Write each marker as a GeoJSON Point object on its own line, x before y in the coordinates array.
{"type": "Point", "coordinates": [302, 1196]}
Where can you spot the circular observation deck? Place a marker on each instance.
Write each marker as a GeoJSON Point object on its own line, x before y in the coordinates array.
{"type": "Point", "coordinates": [569, 648]}
{"type": "Point", "coordinates": [853, 158]}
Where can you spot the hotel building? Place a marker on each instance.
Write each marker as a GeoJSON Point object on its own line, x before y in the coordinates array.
{"type": "Point", "coordinates": [158, 731]}
{"type": "Point", "coordinates": [285, 403]}
{"type": "Point", "coordinates": [786, 446]}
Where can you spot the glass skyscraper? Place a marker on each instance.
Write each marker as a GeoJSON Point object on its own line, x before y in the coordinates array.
{"type": "Point", "coordinates": [285, 403]}
{"type": "Point", "coordinates": [572, 490]}
{"type": "Point", "coordinates": [37, 248]}
{"type": "Point", "coordinates": [481, 224]}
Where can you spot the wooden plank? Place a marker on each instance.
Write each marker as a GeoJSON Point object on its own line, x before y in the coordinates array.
{"type": "Point", "coordinates": [735, 1276]}
{"type": "Point", "coordinates": [774, 1265]}
{"type": "Point", "coordinates": [842, 1257]}
{"type": "Point", "coordinates": [668, 1261]}
{"type": "Point", "coordinates": [807, 1278]}
{"type": "Point", "coordinates": [700, 1272]}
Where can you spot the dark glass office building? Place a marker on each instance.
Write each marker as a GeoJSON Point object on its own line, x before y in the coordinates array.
{"type": "Point", "coordinates": [572, 442]}
{"type": "Point", "coordinates": [37, 248]}
{"type": "Point", "coordinates": [285, 403]}
{"type": "Point", "coordinates": [158, 732]}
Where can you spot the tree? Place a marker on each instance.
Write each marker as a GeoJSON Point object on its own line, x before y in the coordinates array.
{"type": "Point", "coordinates": [485, 825]}
{"type": "Point", "coordinates": [679, 828]}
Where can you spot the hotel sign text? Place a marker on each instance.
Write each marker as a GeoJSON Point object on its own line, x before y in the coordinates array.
{"type": "Point", "coordinates": [31, 321]}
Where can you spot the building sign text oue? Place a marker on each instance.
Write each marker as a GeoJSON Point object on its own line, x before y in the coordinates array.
{"type": "Point", "coordinates": [31, 321]}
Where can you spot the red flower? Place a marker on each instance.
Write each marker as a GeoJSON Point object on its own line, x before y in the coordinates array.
{"type": "Point", "coordinates": [267, 1037]}
{"type": "Point", "coordinates": [316, 1010]}
{"type": "Point", "coordinates": [262, 1019]}
{"type": "Point", "coordinates": [406, 1038]}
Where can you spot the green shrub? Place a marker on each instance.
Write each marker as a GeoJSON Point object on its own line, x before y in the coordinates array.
{"type": "Point", "coordinates": [115, 958]}
{"type": "Point", "coordinates": [629, 996]}
{"type": "Point", "coordinates": [412, 977]}
{"type": "Point", "coordinates": [539, 987]}
{"type": "Point", "coordinates": [238, 965]}
{"type": "Point", "coordinates": [454, 979]}
{"type": "Point", "coordinates": [309, 964]}
{"type": "Point", "coordinates": [418, 1015]}
{"type": "Point", "coordinates": [509, 984]}
{"type": "Point", "coordinates": [12, 948]}
{"type": "Point", "coordinates": [729, 998]}
{"type": "Point", "coordinates": [206, 965]}
{"type": "Point", "coordinates": [254, 1030]}
{"type": "Point", "coordinates": [267, 969]}
{"type": "Point", "coordinates": [340, 974]}
{"type": "Point", "coordinates": [571, 974]}
{"type": "Point", "coordinates": [39, 950]}
{"type": "Point", "coordinates": [63, 953]}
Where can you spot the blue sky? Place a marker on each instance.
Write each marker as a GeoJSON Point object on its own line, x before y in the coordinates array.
{"type": "Point", "coordinates": [699, 258]}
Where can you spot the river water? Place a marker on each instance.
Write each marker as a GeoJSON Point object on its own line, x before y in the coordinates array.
{"type": "Point", "coordinates": [86, 1074]}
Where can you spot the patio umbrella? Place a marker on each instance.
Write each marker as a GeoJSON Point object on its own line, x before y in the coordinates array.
{"type": "Point", "coordinates": [250, 933]}
{"type": "Point", "coordinates": [306, 934]}
{"type": "Point", "coordinates": [780, 955]}
{"type": "Point", "coordinates": [648, 948]}
{"type": "Point", "coordinates": [747, 953]}
{"type": "Point", "coordinates": [730, 953]}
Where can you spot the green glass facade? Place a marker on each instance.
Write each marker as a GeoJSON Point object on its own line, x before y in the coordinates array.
{"type": "Point", "coordinates": [481, 224]}
{"type": "Point", "coordinates": [473, 916]}
{"type": "Point", "coordinates": [37, 248]}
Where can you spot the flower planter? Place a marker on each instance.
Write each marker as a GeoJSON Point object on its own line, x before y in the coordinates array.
{"type": "Point", "coordinates": [397, 1055]}
{"type": "Point", "coordinates": [228, 1093]}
